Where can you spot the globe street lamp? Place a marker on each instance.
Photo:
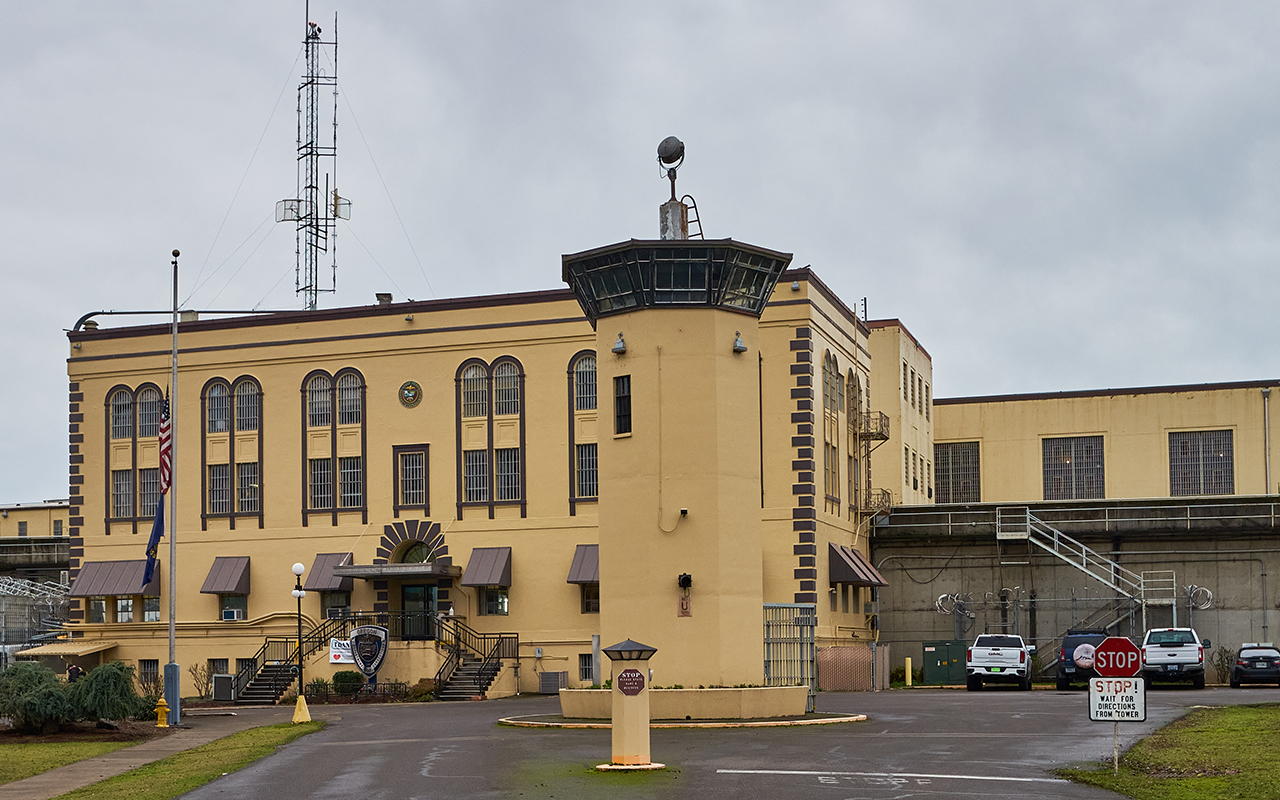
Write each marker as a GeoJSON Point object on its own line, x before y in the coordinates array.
{"type": "Point", "coordinates": [300, 713]}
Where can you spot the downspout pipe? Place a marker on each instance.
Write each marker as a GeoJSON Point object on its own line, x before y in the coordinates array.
{"type": "Point", "coordinates": [1266, 437]}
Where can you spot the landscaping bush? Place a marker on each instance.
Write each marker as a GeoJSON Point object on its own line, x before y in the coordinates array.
{"type": "Point", "coordinates": [422, 691]}
{"type": "Point", "coordinates": [108, 692]}
{"type": "Point", "coordinates": [33, 698]}
{"type": "Point", "coordinates": [348, 681]}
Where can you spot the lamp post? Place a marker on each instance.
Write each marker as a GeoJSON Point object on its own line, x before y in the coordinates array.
{"type": "Point", "coordinates": [630, 704]}
{"type": "Point", "coordinates": [300, 713]}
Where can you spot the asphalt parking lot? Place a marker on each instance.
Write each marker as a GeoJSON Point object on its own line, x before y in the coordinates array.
{"type": "Point", "coordinates": [931, 743]}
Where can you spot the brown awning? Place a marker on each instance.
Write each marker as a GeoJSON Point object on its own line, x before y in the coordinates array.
{"type": "Point", "coordinates": [228, 575]}
{"type": "Point", "coordinates": [586, 564]}
{"type": "Point", "coordinates": [846, 565]}
{"type": "Point", "coordinates": [321, 577]}
{"type": "Point", "coordinates": [115, 578]}
{"type": "Point", "coordinates": [489, 566]}
{"type": "Point", "coordinates": [69, 647]}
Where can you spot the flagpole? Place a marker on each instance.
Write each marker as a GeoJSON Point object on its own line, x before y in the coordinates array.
{"type": "Point", "coordinates": [173, 678]}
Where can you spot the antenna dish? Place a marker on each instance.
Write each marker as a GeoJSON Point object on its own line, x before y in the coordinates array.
{"type": "Point", "coordinates": [671, 151]}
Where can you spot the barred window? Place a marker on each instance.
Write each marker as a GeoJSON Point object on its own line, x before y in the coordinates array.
{"type": "Point", "coordinates": [122, 415]}
{"type": "Point", "coordinates": [247, 406]}
{"type": "Point", "coordinates": [219, 408]}
{"type": "Point", "coordinates": [587, 472]}
{"type": "Point", "coordinates": [928, 402]}
{"type": "Point", "coordinates": [906, 464]}
{"type": "Point", "coordinates": [150, 613]}
{"type": "Point", "coordinates": [149, 668]}
{"type": "Point", "coordinates": [913, 388]}
{"type": "Point", "coordinates": [321, 483]}
{"type": "Point", "coordinates": [350, 482]}
{"type": "Point", "coordinates": [248, 494]}
{"type": "Point", "coordinates": [475, 392]}
{"type": "Point", "coordinates": [349, 410]}
{"type": "Point", "coordinates": [584, 384]}
{"type": "Point", "coordinates": [413, 478]}
{"type": "Point", "coordinates": [475, 474]}
{"type": "Point", "coordinates": [1073, 468]}
{"type": "Point", "coordinates": [905, 381]}
{"type": "Point", "coordinates": [122, 493]}
{"type": "Point", "coordinates": [219, 488]}
{"type": "Point", "coordinates": [958, 472]}
{"type": "Point", "coordinates": [506, 389]}
{"type": "Point", "coordinates": [586, 668]}
{"type": "Point", "coordinates": [148, 413]}
{"type": "Point", "coordinates": [22, 528]}
{"type": "Point", "coordinates": [57, 527]}
{"type": "Point", "coordinates": [622, 404]}
{"type": "Point", "coordinates": [1201, 462]}
{"type": "Point", "coordinates": [319, 402]}
{"type": "Point", "coordinates": [148, 491]}
{"type": "Point", "coordinates": [506, 462]}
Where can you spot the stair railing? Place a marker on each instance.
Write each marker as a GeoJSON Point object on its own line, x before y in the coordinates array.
{"type": "Point", "coordinates": [457, 639]}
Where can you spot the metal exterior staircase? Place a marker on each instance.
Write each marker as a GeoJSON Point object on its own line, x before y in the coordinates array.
{"type": "Point", "coordinates": [470, 680]}
{"type": "Point", "coordinates": [472, 659]}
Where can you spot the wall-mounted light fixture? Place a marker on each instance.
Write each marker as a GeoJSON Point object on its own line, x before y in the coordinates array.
{"type": "Point", "coordinates": [739, 346]}
{"type": "Point", "coordinates": [408, 318]}
{"type": "Point", "coordinates": [795, 286]}
{"type": "Point", "coordinates": [684, 581]}
{"type": "Point", "coordinates": [619, 347]}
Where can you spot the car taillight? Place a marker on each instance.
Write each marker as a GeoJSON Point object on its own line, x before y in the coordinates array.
{"type": "Point", "coordinates": [1062, 654]}
{"type": "Point", "coordinates": [1200, 654]}
{"type": "Point", "coordinates": [968, 654]}
{"type": "Point", "coordinates": [1022, 657]}
{"type": "Point", "coordinates": [1144, 655]}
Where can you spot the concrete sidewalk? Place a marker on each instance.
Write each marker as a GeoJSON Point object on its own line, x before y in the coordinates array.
{"type": "Point", "coordinates": [197, 729]}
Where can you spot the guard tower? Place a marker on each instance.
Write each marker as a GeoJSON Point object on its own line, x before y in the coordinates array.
{"type": "Point", "coordinates": [679, 384]}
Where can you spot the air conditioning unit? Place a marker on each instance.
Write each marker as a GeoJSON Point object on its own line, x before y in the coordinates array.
{"type": "Point", "coordinates": [232, 614]}
{"type": "Point", "coordinates": [64, 578]}
{"type": "Point", "coordinates": [224, 687]}
{"type": "Point", "coordinates": [552, 682]}
{"type": "Point", "coordinates": [335, 612]}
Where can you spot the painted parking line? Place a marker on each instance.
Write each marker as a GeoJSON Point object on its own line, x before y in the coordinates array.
{"type": "Point", "coordinates": [890, 775]}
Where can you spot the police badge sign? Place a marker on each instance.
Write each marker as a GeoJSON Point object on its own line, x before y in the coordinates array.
{"type": "Point", "coordinates": [368, 648]}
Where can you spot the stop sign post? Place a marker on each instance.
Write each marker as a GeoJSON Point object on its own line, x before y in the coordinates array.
{"type": "Point", "coordinates": [1117, 657]}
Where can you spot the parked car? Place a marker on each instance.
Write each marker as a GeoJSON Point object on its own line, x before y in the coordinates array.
{"type": "Point", "coordinates": [998, 658]}
{"type": "Point", "coordinates": [1173, 654]}
{"type": "Point", "coordinates": [1075, 657]}
{"type": "Point", "coordinates": [1256, 662]}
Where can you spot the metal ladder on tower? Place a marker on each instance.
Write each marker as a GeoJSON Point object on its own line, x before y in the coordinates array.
{"type": "Point", "coordinates": [1150, 588]}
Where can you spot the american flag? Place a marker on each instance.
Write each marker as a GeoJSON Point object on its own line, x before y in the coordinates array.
{"type": "Point", "coordinates": [166, 447]}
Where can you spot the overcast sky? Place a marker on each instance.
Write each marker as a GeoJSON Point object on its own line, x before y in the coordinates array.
{"type": "Point", "coordinates": [1051, 196]}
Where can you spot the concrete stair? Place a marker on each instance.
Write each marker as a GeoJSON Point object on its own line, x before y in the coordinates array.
{"type": "Point", "coordinates": [469, 681]}
{"type": "Point", "coordinates": [267, 686]}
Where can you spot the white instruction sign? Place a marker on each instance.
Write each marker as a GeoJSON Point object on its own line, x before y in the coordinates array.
{"type": "Point", "coordinates": [1117, 700]}
{"type": "Point", "coordinates": [340, 651]}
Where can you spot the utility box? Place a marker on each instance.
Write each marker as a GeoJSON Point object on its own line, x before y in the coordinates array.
{"type": "Point", "coordinates": [552, 682]}
{"type": "Point", "coordinates": [944, 662]}
{"type": "Point", "coordinates": [224, 687]}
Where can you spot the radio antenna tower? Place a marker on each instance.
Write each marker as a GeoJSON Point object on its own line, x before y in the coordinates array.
{"type": "Point", "coordinates": [317, 207]}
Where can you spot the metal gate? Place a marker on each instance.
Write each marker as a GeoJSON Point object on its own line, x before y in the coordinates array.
{"type": "Point", "coordinates": [789, 647]}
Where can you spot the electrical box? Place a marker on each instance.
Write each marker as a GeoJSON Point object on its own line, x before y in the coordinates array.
{"type": "Point", "coordinates": [944, 662]}
{"type": "Point", "coordinates": [224, 687]}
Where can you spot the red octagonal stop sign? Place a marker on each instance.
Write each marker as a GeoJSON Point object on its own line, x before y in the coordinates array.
{"type": "Point", "coordinates": [1117, 657]}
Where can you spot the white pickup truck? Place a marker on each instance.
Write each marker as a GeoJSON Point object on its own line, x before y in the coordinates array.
{"type": "Point", "coordinates": [998, 658]}
{"type": "Point", "coordinates": [1173, 654]}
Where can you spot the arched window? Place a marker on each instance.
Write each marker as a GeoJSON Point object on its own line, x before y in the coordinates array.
{"type": "Point", "coordinates": [149, 413]}
{"type": "Point", "coordinates": [506, 389]}
{"type": "Point", "coordinates": [349, 401]}
{"type": "Point", "coordinates": [584, 384]}
{"type": "Point", "coordinates": [319, 402]}
{"type": "Point", "coordinates": [475, 399]}
{"type": "Point", "coordinates": [122, 415]}
{"type": "Point", "coordinates": [418, 553]}
{"type": "Point", "coordinates": [832, 391]}
{"type": "Point", "coordinates": [219, 409]}
{"type": "Point", "coordinates": [248, 406]}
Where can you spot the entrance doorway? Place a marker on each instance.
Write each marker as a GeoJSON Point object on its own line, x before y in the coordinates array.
{"type": "Point", "coordinates": [418, 604]}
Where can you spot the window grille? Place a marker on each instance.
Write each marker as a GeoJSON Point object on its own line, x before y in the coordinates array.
{"type": "Point", "coordinates": [906, 464]}
{"type": "Point", "coordinates": [248, 494]}
{"type": "Point", "coordinates": [124, 609]}
{"type": "Point", "coordinates": [247, 406]}
{"type": "Point", "coordinates": [219, 408]}
{"type": "Point", "coordinates": [22, 528]}
{"type": "Point", "coordinates": [915, 485]}
{"type": "Point", "coordinates": [957, 472]}
{"type": "Point", "coordinates": [149, 668]}
{"type": "Point", "coordinates": [148, 413]}
{"type": "Point", "coordinates": [475, 468]}
{"type": "Point", "coordinates": [913, 388]}
{"type": "Point", "coordinates": [1201, 462]}
{"type": "Point", "coordinates": [506, 389]}
{"type": "Point", "coordinates": [475, 395]}
{"type": "Point", "coordinates": [413, 478]}
{"type": "Point", "coordinates": [905, 382]}
{"type": "Point", "coordinates": [927, 402]}
{"type": "Point", "coordinates": [57, 527]}
{"type": "Point", "coordinates": [321, 483]}
{"type": "Point", "coordinates": [319, 402]}
{"type": "Point", "coordinates": [622, 404]}
{"type": "Point", "coordinates": [349, 410]}
{"type": "Point", "coordinates": [122, 415]}
{"type": "Point", "coordinates": [122, 493]}
{"type": "Point", "coordinates": [151, 613]}
{"type": "Point", "coordinates": [506, 462]}
{"type": "Point", "coordinates": [1073, 468]}
{"type": "Point", "coordinates": [588, 471]}
{"type": "Point", "coordinates": [219, 488]}
{"type": "Point", "coordinates": [584, 384]}
{"type": "Point", "coordinates": [586, 668]}
{"type": "Point", "coordinates": [350, 482]}
{"type": "Point", "coordinates": [218, 666]}
{"type": "Point", "coordinates": [148, 491]}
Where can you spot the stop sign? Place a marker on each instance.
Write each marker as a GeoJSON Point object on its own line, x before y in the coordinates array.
{"type": "Point", "coordinates": [1117, 657]}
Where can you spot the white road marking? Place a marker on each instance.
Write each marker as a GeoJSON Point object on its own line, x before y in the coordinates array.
{"type": "Point", "coordinates": [889, 775]}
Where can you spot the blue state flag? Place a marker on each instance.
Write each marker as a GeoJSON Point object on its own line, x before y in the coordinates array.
{"type": "Point", "coordinates": [153, 544]}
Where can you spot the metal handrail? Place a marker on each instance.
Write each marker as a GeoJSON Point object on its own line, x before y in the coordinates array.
{"type": "Point", "coordinates": [873, 425]}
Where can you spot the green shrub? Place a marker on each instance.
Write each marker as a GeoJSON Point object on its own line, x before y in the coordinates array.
{"type": "Point", "coordinates": [422, 691]}
{"type": "Point", "coordinates": [348, 681]}
{"type": "Point", "coordinates": [33, 698]}
{"type": "Point", "coordinates": [108, 692]}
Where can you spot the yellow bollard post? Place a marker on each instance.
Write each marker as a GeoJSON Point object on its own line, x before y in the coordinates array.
{"type": "Point", "coordinates": [162, 714]}
{"type": "Point", "coordinates": [300, 712]}
{"type": "Point", "coordinates": [908, 671]}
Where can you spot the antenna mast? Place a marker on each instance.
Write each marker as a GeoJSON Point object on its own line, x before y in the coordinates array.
{"type": "Point", "coordinates": [317, 206]}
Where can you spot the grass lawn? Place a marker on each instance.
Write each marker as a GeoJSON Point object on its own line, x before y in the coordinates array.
{"type": "Point", "coordinates": [24, 760]}
{"type": "Point", "coordinates": [1210, 754]}
{"type": "Point", "coordinates": [185, 771]}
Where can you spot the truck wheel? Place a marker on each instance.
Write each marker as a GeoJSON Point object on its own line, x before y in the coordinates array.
{"type": "Point", "coordinates": [1063, 684]}
{"type": "Point", "coordinates": [1025, 684]}
{"type": "Point", "coordinates": [1198, 681]}
{"type": "Point", "coordinates": [974, 683]}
